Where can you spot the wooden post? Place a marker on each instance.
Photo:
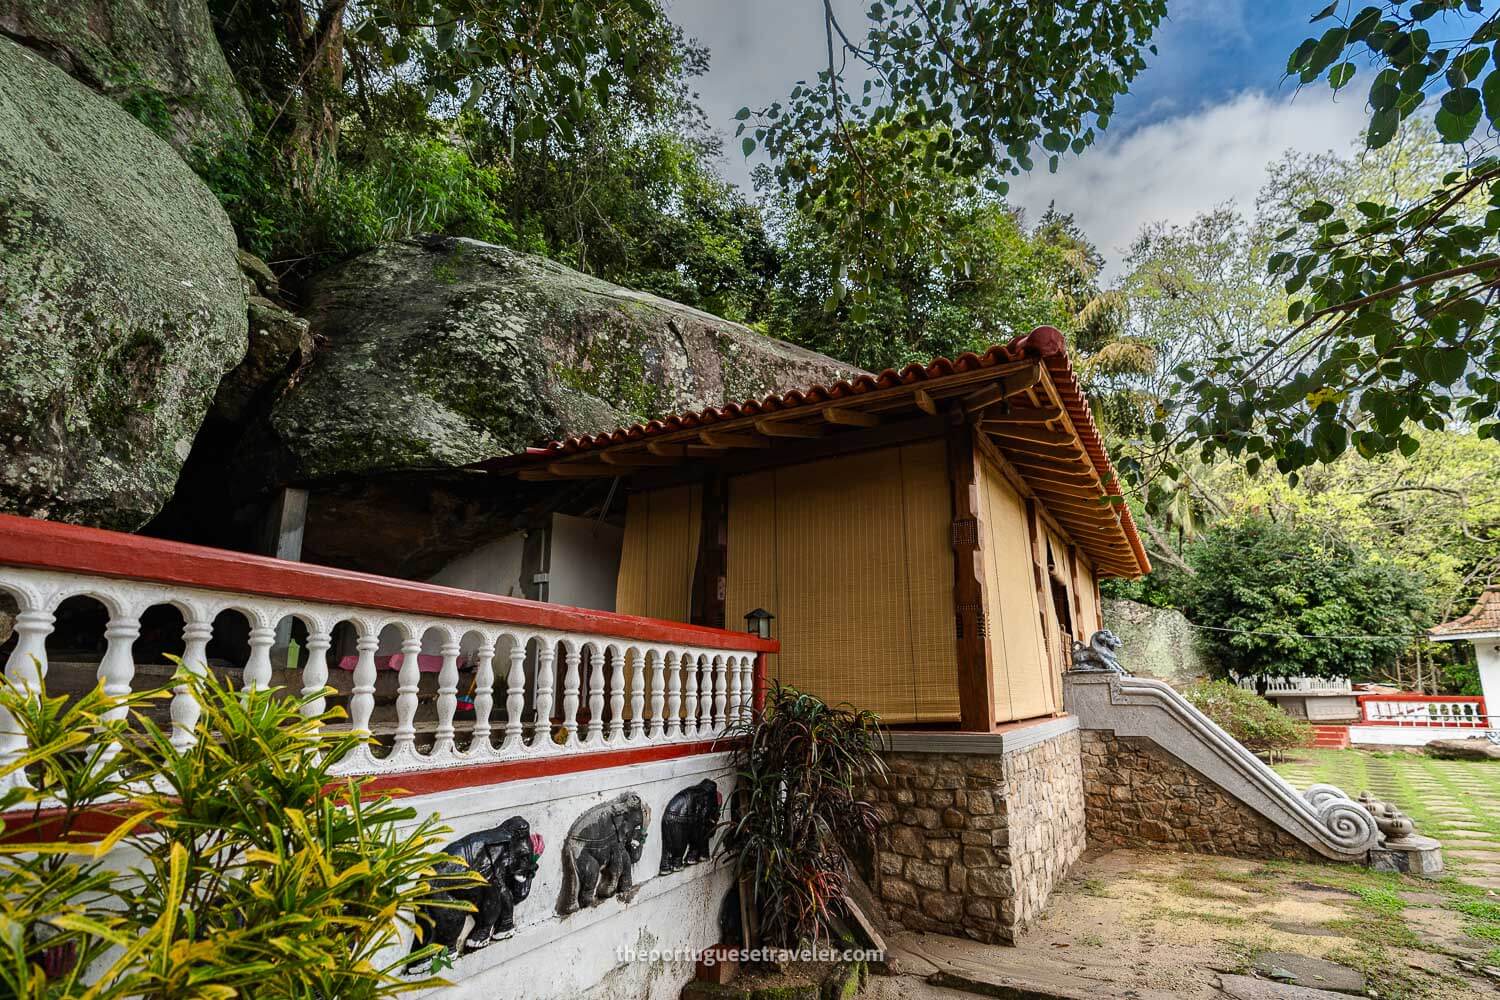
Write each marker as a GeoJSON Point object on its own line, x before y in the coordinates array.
{"type": "Point", "coordinates": [976, 667]}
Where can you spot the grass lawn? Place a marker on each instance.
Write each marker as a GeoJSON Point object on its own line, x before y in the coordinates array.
{"type": "Point", "coordinates": [1458, 802]}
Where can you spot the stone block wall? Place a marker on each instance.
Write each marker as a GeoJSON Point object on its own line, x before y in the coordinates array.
{"type": "Point", "coordinates": [972, 843]}
{"type": "Point", "coordinates": [1138, 795]}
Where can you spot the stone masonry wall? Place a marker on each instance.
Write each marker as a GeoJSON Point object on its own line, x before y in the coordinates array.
{"type": "Point", "coordinates": [1137, 795]}
{"type": "Point", "coordinates": [972, 844]}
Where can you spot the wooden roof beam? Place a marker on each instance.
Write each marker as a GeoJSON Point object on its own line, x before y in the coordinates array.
{"type": "Point", "coordinates": [999, 390]}
{"type": "Point", "coordinates": [788, 429]}
{"type": "Point", "coordinates": [679, 449]}
{"type": "Point", "coordinates": [925, 402]}
{"type": "Point", "coordinates": [1027, 466]}
{"type": "Point", "coordinates": [849, 418]}
{"type": "Point", "coordinates": [1022, 415]}
{"type": "Point", "coordinates": [734, 439]}
{"type": "Point", "coordinates": [635, 459]}
{"type": "Point", "coordinates": [1029, 433]}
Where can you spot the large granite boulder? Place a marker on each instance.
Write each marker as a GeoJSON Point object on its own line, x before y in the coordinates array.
{"type": "Point", "coordinates": [1157, 642]}
{"type": "Point", "coordinates": [121, 302]}
{"type": "Point", "coordinates": [436, 353]}
{"type": "Point", "coordinates": [157, 58]}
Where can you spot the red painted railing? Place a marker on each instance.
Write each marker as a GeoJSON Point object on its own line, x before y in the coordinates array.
{"type": "Point", "coordinates": [1454, 711]}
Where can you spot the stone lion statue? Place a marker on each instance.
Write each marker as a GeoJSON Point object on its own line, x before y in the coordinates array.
{"type": "Point", "coordinates": [1099, 654]}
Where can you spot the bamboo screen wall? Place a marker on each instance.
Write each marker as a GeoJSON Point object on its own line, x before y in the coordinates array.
{"type": "Point", "coordinates": [1024, 676]}
{"type": "Point", "coordinates": [853, 556]}
{"type": "Point", "coordinates": [659, 553]}
{"type": "Point", "coordinates": [1089, 622]}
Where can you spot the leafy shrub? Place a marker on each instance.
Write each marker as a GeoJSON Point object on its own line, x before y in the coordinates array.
{"type": "Point", "coordinates": [391, 190]}
{"type": "Point", "coordinates": [256, 871]}
{"type": "Point", "coordinates": [1249, 718]}
{"type": "Point", "coordinates": [799, 815]}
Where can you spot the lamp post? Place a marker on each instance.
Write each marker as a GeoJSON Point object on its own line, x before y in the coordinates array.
{"type": "Point", "coordinates": [758, 623]}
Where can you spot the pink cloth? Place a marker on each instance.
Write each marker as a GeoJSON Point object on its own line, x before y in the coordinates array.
{"type": "Point", "coordinates": [427, 663]}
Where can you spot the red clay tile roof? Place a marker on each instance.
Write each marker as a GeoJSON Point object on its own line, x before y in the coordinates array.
{"type": "Point", "coordinates": [1483, 618]}
{"type": "Point", "coordinates": [1045, 344]}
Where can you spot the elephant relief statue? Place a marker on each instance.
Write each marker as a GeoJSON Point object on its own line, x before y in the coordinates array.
{"type": "Point", "coordinates": [688, 825]}
{"type": "Point", "coordinates": [1101, 653]}
{"type": "Point", "coordinates": [602, 844]}
{"type": "Point", "coordinates": [506, 856]}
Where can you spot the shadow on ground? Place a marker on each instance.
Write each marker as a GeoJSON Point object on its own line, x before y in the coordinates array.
{"type": "Point", "coordinates": [1148, 925]}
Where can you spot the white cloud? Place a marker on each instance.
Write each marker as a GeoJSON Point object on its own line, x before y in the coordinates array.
{"type": "Point", "coordinates": [1177, 167]}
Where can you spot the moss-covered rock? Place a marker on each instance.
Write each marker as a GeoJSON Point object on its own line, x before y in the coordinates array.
{"type": "Point", "coordinates": [440, 352]}
{"type": "Point", "coordinates": [157, 58]}
{"type": "Point", "coordinates": [121, 303]}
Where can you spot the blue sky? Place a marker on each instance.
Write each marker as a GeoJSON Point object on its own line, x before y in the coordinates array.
{"type": "Point", "coordinates": [1197, 130]}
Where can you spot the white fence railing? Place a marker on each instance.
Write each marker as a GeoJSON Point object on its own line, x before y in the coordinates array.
{"type": "Point", "coordinates": [465, 678]}
{"type": "Point", "coordinates": [1294, 685]}
{"type": "Point", "coordinates": [1462, 712]}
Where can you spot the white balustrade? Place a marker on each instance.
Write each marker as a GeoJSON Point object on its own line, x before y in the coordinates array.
{"type": "Point", "coordinates": [1465, 712]}
{"type": "Point", "coordinates": [616, 694]}
{"type": "Point", "coordinates": [1297, 685]}
{"type": "Point", "coordinates": [634, 691]}
{"type": "Point", "coordinates": [484, 699]}
{"type": "Point", "coordinates": [596, 694]}
{"type": "Point", "coordinates": [674, 695]}
{"type": "Point", "coordinates": [515, 695]}
{"type": "Point", "coordinates": [447, 700]}
{"type": "Point", "coordinates": [690, 695]}
{"type": "Point", "coordinates": [637, 693]}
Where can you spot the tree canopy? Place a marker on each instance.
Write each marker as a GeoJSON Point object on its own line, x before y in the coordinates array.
{"type": "Point", "coordinates": [1390, 310]}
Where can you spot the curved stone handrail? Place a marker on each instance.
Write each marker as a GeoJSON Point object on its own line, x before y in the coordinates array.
{"type": "Point", "coordinates": [1324, 818]}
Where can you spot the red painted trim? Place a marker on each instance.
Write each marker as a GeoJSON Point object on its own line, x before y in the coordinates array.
{"type": "Point", "coordinates": [95, 824]}
{"type": "Point", "coordinates": [45, 826]}
{"type": "Point", "coordinates": [758, 683]}
{"type": "Point", "coordinates": [1457, 699]}
{"type": "Point", "coordinates": [74, 549]}
{"type": "Point", "coordinates": [447, 779]}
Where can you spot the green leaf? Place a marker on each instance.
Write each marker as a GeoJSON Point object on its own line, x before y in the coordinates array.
{"type": "Point", "coordinates": [1340, 75]}
{"type": "Point", "coordinates": [1382, 128]}
{"type": "Point", "coordinates": [748, 146]}
{"type": "Point", "coordinates": [1316, 212]}
{"type": "Point", "coordinates": [1458, 114]}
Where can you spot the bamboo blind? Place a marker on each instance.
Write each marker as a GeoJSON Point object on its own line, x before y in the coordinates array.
{"type": "Point", "coordinates": [659, 554]}
{"type": "Point", "coordinates": [1090, 615]}
{"type": "Point", "coordinates": [853, 557]}
{"type": "Point", "coordinates": [1018, 639]}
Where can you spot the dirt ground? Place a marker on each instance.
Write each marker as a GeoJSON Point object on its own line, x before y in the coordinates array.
{"type": "Point", "coordinates": [1148, 925]}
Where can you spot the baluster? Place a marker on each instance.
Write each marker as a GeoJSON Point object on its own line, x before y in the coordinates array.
{"type": "Point", "coordinates": [484, 698]}
{"type": "Point", "coordinates": [747, 687]}
{"type": "Point", "coordinates": [637, 693]}
{"type": "Point", "coordinates": [257, 674]}
{"type": "Point", "coordinates": [185, 710]}
{"type": "Point", "coordinates": [733, 667]}
{"type": "Point", "coordinates": [515, 693]}
{"type": "Point", "coordinates": [706, 697]}
{"type": "Point", "coordinates": [24, 669]}
{"type": "Point", "coordinates": [447, 700]}
{"type": "Point", "coordinates": [570, 697]}
{"type": "Point", "coordinates": [690, 696]}
{"type": "Point", "coordinates": [315, 673]}
{"type": "Point", "coordinates": [117, 670]}
{"type": "Point", "coordinates": [597, 655]}
{"type": "Point", "coordinates": [541, 723]}
{"type": "Point", "coordinates": [674, 696]}
{"type": "Point", "coordinates": [658, 692]}
{"type": "Point", "coordinates": [407, 684]}
{"type": "Point", "coordinates": [721, 690]}
{"type": "Point", "coordinates": [616, 694]}
{"type": "Point", "coordinates": [362, 692]}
